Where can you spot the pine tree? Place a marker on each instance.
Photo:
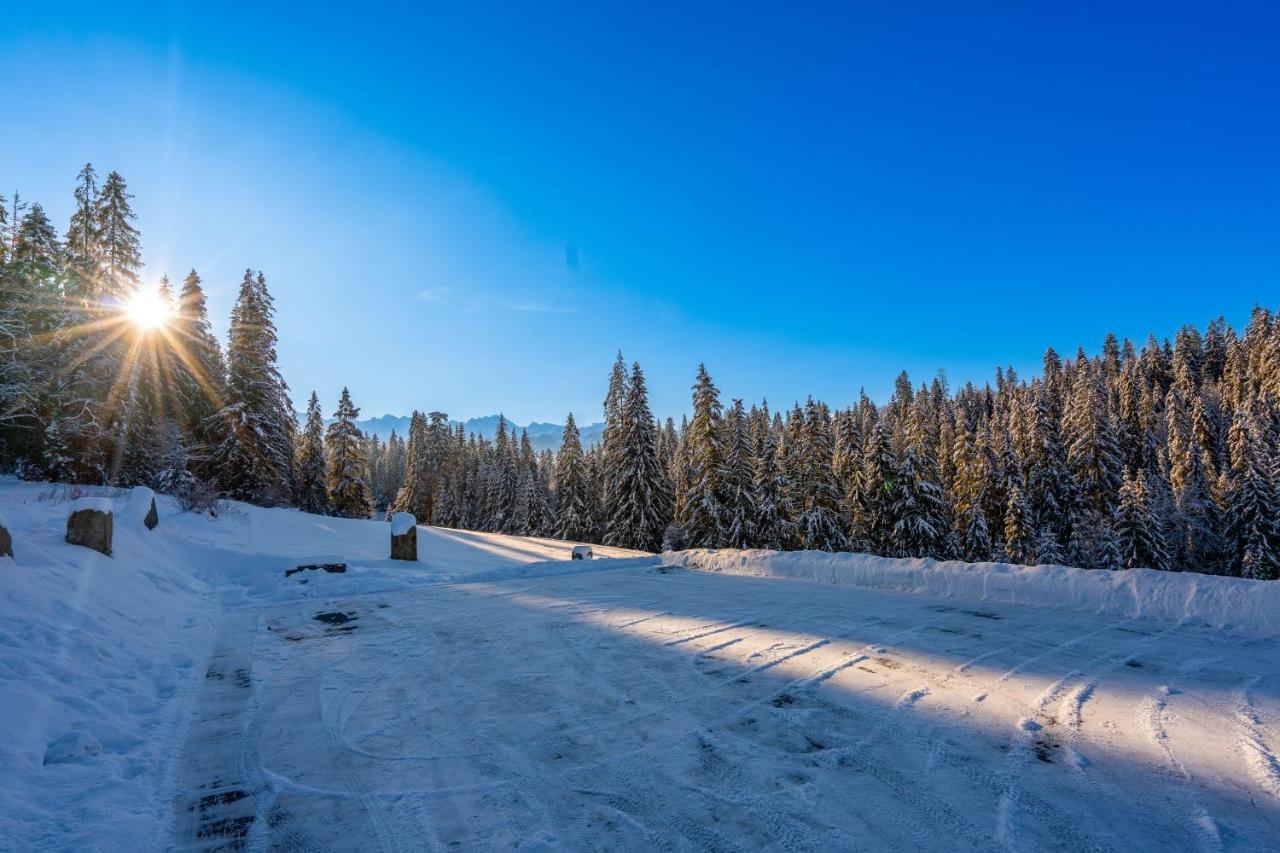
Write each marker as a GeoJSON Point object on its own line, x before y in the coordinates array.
{"type": "Point", "coordinates": [640, 497]}
{"type": "Point", "coordinates": [82, 238]}
{"type": "Point", "coordinates": [705, 523]}
{"type": "Point", "coordinates": [774, 529]}
{"type": "Point", "coordinates": [918, 508]}
{"type": "Point", "coordinates": [1019, 536]}
{"type": "Point", "coordinates": [1255, 505]}
{"type": "Point", "coordinates": [820, 523]}
{"type": "Point", "coordinates": [740, 505]}
{"type": "Point", "coordinates": [348, 492]}
{"type": "Point", "coordinates": [117, 242]}
{"type": "Point", "coordinates": [611, 438]}
{"type": "Point", "coordinates": [199, 374]}
{"type": "Point", "coordinates": [1141, 541]}
{"type": "Point", "coordinates": [254, 459]}
{"type": "Point", "coordinates": [311, 489]}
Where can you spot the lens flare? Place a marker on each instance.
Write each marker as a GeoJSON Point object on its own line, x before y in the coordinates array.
{"type": "Point", "coordinates": [147, 310]}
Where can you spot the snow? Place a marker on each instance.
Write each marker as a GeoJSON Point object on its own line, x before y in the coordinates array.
{"type": "Point", "coordinates": [187, 695]}
{"type": "Point", "coordinates": [138, 504]}
{"type": "Point", "coordinates": [97, 504]}
{"type": "Point", "coordinates": [1185, 598]}
{"type": "Point", "coordinates": [402, 523]}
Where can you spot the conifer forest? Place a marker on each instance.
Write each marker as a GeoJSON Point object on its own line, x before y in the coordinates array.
{"type": "Point", "coordinates": [1162, 454]}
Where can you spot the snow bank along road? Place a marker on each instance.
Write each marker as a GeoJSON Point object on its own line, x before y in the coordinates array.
{"type": "Point", "coordinates": [185, 694]}
{"type": "Point", "coordinates": [650, 707]}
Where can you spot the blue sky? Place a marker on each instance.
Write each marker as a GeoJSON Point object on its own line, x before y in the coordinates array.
{"type": "Point", "coordinates": [472, 210]}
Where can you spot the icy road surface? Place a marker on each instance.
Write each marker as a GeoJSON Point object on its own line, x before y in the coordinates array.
{"type": "Point", "coordinates": [651, 708]}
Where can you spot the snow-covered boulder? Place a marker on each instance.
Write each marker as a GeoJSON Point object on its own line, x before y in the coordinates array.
{"type": "Point", "coordinates": [91, 524]}
{"type": "Point", "coordinates": [582, 552]}
{"type": "Point", "coordinates": [6, 540]}
{"type": "Point", "coordinates": [404, 536]}
{"type": "Point", "coordinates": [73, 746]}
{"type": "Point", "coordinates": [141, 508]}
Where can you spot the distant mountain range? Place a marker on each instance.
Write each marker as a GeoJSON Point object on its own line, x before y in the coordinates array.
{"type": "Point", "coordinates": [542, 436]}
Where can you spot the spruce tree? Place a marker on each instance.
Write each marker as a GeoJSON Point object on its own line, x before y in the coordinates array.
{"type": "Point", "coordinates": [1140, 538]}
{"type": "Point", "coordinates": [118, 245]}
{"type": "Point", "coordinates": [705, 524]}
{"type": "Point", "coordinates": [640, 499]}
{"type": "Point", "coordinates": [348, 492]}
{"type": "Point", "coordinates": [310, 480]}
{"type": "Point", "coordinates": [254, 459]}
{"type": "Point", "coordinates": [740, 505]}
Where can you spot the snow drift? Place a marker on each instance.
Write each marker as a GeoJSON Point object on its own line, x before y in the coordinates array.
{"type": "Point", "coordinates": [1244, 606]}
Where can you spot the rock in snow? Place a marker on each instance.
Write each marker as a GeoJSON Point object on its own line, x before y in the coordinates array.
{"type": "Point", "coordinates": [404, 537]}
{"type": "Point", "coordinates": [6, 540]}
{"type": "Point", "coordinates": [90, 524]}
{"type": "Point", "coordinates": [141, 508]}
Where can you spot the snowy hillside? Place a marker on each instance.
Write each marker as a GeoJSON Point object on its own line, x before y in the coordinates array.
{"type": "Point", "coordinates": [185, 693]}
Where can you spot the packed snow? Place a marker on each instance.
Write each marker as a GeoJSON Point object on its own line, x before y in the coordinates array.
{"type": "Point", "coordinates": [402, 523]}
{"type": "Point", "coordinates": [187, 694]}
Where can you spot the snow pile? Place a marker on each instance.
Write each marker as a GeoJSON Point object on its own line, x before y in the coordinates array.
{"type": "Point", "coordinates": [1245, 606]}
{"type": "Point", "coordinates": [138, 505]}
{"type": "Point", "coordinates": [97, 504]}
{"type": "Point", "coordinates": [402, 523]}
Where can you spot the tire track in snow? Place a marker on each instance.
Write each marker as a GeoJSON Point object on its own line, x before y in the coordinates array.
{"type": "Point", "coordinates": [1253, 736]}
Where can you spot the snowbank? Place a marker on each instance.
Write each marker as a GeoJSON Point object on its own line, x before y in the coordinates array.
{"type": "Point", "coordinates": [1245, 606]}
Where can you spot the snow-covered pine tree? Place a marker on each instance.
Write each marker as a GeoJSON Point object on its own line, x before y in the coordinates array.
{"type": "Point", "coordinates": [875, 500]}
{"type": "Point", "coordinates": [968, 488]}
{"type": "Point", "coordinates": [611, 437]}
{"type": "Point", "coordinates": [705, 525]}
{"type": "Point", "coordinates": [348, 492]}
{"type": "Point", "coordinates": [774, 528]}
{"type": "Point", "coordinates": [1019, 535]}
{"type": "Point", "coordinates": [918, 508]}
{"type": "Point", "coordinates": [82, 239]}
{"type": "Point", "coordinates": [640, 496]}
{"type": "Point", "coordinates": [1139, 536]}
{"type": "Point", "coordinates": [573, 519]}
{"type": "Point", "coordinates": [820, 524]}
{"type": "Point", "coordinates": [740, 505]}
{"type": "Point", "coordinates": [1254, 502]}
{"type": "Point", "coordinates": [119, 246]}
{"type": "Point", "coordinates": [254, 459]}
{"type": "Point", "coordinates": [311, 492]}
{"type": "Point", "coordinates": [200, 373]}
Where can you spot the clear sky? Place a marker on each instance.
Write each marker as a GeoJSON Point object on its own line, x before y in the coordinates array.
{"type": "Point", "coordinates": [472, 210]}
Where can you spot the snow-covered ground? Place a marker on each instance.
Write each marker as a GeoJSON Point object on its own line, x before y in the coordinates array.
{"type": "Point", "coordinates": [188, 695]}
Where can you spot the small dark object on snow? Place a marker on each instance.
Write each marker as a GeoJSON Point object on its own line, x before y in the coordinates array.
{"type": "Point", "coordinates": [152, 518]}
{"type": "Point", "coordinates": [335, 618]}
{"type": "Point", "coordinates": [90, 526]}
{"type": "Point", "coordinates": [331, 568]}
{"type": "Point", "coordinates": [6, 541]}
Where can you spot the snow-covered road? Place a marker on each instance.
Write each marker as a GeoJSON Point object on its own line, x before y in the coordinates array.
{"type": "Point", "coordinates": [659, 708]}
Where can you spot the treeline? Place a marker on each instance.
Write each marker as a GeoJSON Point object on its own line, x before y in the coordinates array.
{"type": "Point", "coordinates": [1163, 458]}
{"type": "Point", "coordinates": [1166, 457]}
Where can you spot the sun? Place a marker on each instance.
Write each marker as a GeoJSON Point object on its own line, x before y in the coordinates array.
{"type": "Point", "coordinates": [147, 310]}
